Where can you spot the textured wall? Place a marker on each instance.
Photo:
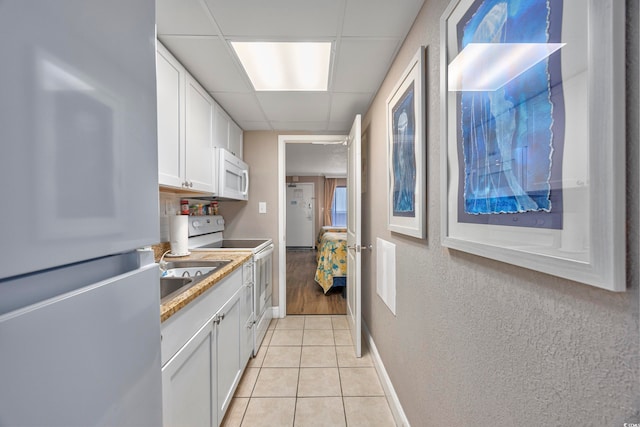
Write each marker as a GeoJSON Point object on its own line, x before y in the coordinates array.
{"type": "Point", "coordinates": [477, 342]}
{"type": "Point", "coordinates": [482, 343]}
{"type": "Point", "coordinates": [242, 219]}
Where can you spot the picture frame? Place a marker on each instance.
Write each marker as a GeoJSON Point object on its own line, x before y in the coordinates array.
{"type": "Point", "coordinates": [406, 151]}
{"type": "Point", "coordinates": [538, 182]}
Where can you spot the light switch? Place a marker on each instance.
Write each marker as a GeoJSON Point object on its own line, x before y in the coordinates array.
{"type": "Point", "coordinates": [262, 207]}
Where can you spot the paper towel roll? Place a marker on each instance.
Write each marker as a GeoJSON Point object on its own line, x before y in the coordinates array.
{"type": "Point", "coordinates": [178, 235]}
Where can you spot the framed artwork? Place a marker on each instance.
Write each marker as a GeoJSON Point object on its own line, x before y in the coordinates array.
{"type": "Point", "coordinates": [406, 164]}
{"type": "Point", "coordinates": [533, 135]}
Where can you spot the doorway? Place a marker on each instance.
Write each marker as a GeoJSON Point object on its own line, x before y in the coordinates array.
{"type": "Point", "coordinates": [299, 293]}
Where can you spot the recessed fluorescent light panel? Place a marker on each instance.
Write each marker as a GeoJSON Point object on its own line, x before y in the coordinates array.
{"type": "Point", "coordinates": [286, 66]}
{"type": "Point", "coordinates": [489, 66]}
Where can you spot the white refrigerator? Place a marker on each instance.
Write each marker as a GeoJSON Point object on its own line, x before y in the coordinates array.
{"type": "Point", "coordinates": [79, 304]}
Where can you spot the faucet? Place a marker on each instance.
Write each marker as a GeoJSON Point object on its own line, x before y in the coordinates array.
{"type": "Point", "coordinates": [162, 263]}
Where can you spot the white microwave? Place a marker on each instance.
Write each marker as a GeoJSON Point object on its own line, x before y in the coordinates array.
{"type": "Point", "coordinates": [232, 176]}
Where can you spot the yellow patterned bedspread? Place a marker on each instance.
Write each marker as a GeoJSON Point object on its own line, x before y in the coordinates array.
{"type": "Point", "coordinates": [327, 229]}
{"type": "Point", "coordinates": [332, 259]}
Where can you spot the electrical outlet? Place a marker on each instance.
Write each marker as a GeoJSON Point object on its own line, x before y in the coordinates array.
{"type": "Point", "coordinates": [262, 207]}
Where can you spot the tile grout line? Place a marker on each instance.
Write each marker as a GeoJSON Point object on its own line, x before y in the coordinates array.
{"type": "Point", "coordinates": [295, 406]}
{"type": "Point", "coordinates": [297, 390]}
{"type": "Point", "coordinates": [344, 407]}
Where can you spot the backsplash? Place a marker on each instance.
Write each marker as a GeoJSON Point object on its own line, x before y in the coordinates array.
{"type": "Point", "coordinates": [160, 249]}
{"type": "Point", "coordinates": [169, 205]}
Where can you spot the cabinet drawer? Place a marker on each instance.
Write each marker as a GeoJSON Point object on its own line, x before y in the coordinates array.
{"type": "Point", "coordinates": [180, 327]}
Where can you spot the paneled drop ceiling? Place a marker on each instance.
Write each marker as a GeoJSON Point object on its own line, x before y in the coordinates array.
{"type": "Point", "coordinates": [365, 36]}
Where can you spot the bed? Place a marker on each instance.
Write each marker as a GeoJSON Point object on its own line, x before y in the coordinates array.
{"type": "Point", "coordinates": [328, 229]}
{"type": "Point", "coordinates": [332, 260]}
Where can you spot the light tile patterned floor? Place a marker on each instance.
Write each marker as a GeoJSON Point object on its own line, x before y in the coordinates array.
{"type": "Point", "coordinates": [306, 374]}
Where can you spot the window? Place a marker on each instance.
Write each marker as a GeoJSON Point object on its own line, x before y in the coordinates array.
{"type": "Point", "coordinates": [339, 207]}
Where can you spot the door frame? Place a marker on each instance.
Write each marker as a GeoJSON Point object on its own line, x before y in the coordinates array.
{"type": "Point", "coordinates": [282, 209]}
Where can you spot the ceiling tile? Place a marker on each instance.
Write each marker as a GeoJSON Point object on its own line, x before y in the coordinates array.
{"type": "Point", "coordinates": [240, 106]}
{"type": "Point", "coordinates": [248, 125]}
{"type": "Point", "coordinates": [277, 18]}
{"type": "Point", "coordinates": [384, 18]}
{"type": "Point", "coordinates": [312, 159]}
{"type": "Point", "coordinates": [366, 36]}
{"type": "Point", "coordinates": [362, 64]}
{"type": "Point", "coordinates": [338, 126]}
{"type": "Point", "coordinates": [183, 17]}
{"type": "Point", "coordinates": [299, 126]}
{"type": "Point", "coordinates": [208, 59]}
{"type": "Point", "coordinates": [345, 105]}
{"type": "Point", "coordinates": [295, 106]}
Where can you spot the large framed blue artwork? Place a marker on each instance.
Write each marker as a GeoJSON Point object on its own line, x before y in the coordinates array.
{"type": "Point", "coordinates": [406, 151]}
{"type": "Point", "coordinates": [533, 135]}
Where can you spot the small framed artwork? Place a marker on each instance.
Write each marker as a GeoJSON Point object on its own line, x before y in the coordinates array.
{"type": "Point", "coordinates": [533, 135]}
{"type": "Point", "coordinates": [406, 164]}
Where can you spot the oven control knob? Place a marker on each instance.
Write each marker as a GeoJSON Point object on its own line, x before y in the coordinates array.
{"type": "Point", "coordinates": [196, 224]}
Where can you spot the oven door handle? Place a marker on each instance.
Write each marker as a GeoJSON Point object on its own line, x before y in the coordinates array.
{"type": "Point", "coordinates": [264, 253]}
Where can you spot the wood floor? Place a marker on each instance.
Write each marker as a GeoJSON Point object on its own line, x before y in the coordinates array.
{"type": "Point", "coordinates": [304, 295]}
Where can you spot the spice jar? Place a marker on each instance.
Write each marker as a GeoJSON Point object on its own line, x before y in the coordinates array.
{"type": "Point", "coordinates": [184, 207]}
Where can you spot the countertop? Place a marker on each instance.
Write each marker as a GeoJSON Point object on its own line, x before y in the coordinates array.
{"type": "Point", "coordinates": [171, 307]}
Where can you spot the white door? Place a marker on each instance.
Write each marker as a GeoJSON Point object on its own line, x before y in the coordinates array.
{"type": "Point", "coordinates": [354, 238]}
{"type": "Point", "coordinates": [300, 216]}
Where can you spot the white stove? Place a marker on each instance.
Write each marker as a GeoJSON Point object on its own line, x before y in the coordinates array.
{"type": "Point", "coordinates": [206, 234]}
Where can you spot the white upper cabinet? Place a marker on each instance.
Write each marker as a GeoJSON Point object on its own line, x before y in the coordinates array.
{"type": "Point", "coordinates": [199, 137]}
{"type": "Point", "coordinates": [185, 127]}
{"type": "Point", "coordinates": [170, 83]}
{"type": "Point", "coordinates": [228, 135]}
{"type": "Point", "coordinates": [235, 139]}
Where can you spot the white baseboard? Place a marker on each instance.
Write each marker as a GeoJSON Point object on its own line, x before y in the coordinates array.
{"type": "Point", "coordinates": [394, 403]}
{"type": "Point", "coordinates": [276, 312]}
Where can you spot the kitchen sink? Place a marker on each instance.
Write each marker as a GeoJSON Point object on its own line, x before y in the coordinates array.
{"type": "Point", "coordinates": [188, 271]}
{"type": "Point", "coordinates": [169, 285]}
{"type": "Point", "coordinates": [178, 276]}
{"type": "Point", "coordinates": [204, 266]}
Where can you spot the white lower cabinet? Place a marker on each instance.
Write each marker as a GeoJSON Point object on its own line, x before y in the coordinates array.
{"type": "Point", "coordinates": [229, 367]}
{"type": "Point", "coordinates": [187, 393]}
{"type": "Point", "coordinates": [246, 313]}
{"type": "Point", "coordinates": [203, 355]}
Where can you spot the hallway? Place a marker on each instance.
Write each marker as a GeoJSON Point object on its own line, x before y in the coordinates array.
{"type": "Point", "coordinates": [305, 374]}
{"type": "Point", "coordinates": [304, 295]}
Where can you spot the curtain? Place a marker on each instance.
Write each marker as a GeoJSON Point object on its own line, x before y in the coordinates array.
{"type": "Point", "coordinates": [330, 185]}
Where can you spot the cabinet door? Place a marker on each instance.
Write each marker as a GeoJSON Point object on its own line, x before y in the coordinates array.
{"type": "Point", "coordinates": [221, 135]}
{"type": "Point", "coordinates": [199, 134]}
{"type": "Point", "coordinates": [228, 357]}
{"type": "Point", "coordinates": [170, 85]}
{"type": "Point", "coordinates": [189, 383]}
{"type": "Point", "coordinates": [235, 139]}
{"type": "Point", "coordinates": [246, 313]}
